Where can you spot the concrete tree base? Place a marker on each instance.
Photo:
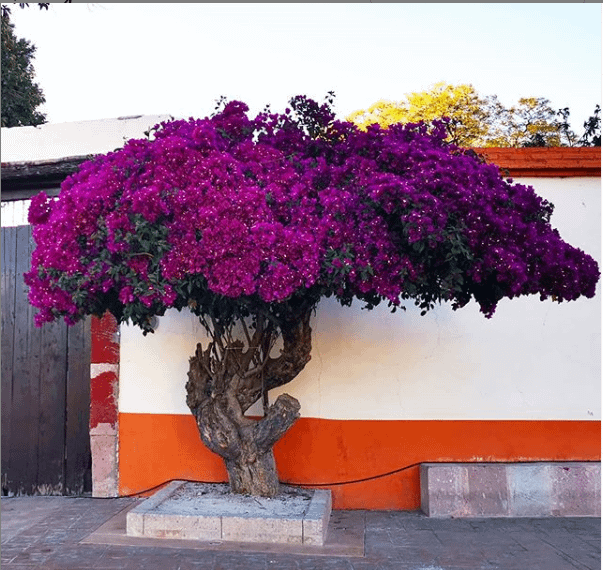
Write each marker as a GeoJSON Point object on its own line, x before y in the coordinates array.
{"type": "Point", "coordinates": [208, 512]}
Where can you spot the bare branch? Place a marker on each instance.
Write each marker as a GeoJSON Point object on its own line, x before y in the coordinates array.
{"type": "Point", "coordinates": [218, 340]}
{"type": "Point", "coordinates": [246, 331]}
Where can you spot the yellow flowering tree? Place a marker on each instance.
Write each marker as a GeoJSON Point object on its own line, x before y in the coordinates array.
{"type": "Point", "coordinates": [478, 121]}
{"type": "Point", "coordinates": [472, 117]}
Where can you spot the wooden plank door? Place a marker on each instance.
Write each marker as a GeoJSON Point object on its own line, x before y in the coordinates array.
{"type": "Point", "coordinates": [45, 389]}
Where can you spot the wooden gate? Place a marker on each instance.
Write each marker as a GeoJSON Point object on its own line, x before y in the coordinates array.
{"type": "Point", "coordinates": [45, 389]}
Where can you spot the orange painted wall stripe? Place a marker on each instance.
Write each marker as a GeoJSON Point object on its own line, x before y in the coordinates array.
{"type": "Point", "coordinates": [157, 448]}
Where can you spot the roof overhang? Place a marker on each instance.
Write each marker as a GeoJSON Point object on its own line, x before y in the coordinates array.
{"type": "Point", "coordinates": [22, 180]}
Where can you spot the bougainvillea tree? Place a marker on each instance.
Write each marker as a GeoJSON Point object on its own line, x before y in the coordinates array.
{"type": "Point", "coordinates": [250, 222]}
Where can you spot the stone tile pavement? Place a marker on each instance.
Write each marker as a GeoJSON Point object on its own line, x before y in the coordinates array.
{"type": "Point", "coordinates": [47, 533]}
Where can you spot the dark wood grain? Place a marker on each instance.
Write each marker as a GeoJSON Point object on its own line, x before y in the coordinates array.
{"type": "Point", "coordinates": [78, 474]}
{"type": "Point", "coordinates": [9, 257]}
{"type": "Point", "coordinates": [45, 388]}
{"type": "Point", "coordinates": [26, 379]}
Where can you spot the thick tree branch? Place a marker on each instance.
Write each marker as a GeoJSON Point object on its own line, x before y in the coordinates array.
{"type": "Point", "coordinates": [275, 372]}
{"type": "Point", "coordinates": [280, 417]}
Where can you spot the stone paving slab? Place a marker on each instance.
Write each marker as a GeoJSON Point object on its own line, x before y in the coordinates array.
{"type": "Point", "coordinates": [56, 537]}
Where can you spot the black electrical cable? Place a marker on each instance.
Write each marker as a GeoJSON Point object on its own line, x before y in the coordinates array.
{"type": "Point", "coordinates": [291, 483]}
{"type": "Point", "coordinates": [138, 494]}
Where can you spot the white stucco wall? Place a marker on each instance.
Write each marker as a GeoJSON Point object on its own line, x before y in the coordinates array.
{"type": "Point", "coordinates": [532, 360]}
{"type": "Point", "coordinates": [14, 213]}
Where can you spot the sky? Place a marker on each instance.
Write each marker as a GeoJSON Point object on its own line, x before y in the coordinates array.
{"type": "Point", "coordinates": [99, 61]}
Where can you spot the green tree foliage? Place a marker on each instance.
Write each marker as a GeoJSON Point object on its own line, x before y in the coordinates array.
{"type": "Point", "coordinates": [592, 129]}
{"type": "Point", "coordinates": [533, 122]}
{"type": "Point", "coordinates": [482, 121]}
{"type": "Point", "coordinates": [21, 95]}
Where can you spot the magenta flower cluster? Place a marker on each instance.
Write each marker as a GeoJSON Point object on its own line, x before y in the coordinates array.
{"type": "Point", "coordinates": [282, 209]}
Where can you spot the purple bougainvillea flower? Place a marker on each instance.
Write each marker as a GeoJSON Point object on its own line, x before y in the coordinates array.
{"type": "Point", "coordinates": [230, 214]}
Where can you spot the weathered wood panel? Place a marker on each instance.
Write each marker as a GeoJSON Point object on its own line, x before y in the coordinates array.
{"type": "Point", "coordinates": [78, 460]}
{"type": "Point", "coordinates": [25, 409]}
{"type": "Point", "coordinates": [51, 420]}
{"type": "Point", "coordinates": [45, 388]}
{"type": "Point", "coordinates": [9, 263]}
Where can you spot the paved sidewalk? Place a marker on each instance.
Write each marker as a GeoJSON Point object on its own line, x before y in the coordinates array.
{"type": "Point", "coordinates": [46, 533]}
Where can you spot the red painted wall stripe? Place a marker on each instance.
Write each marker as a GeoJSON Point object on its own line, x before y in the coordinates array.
{"type": "Point", "coordinates": [103, 392]}
{"type": "Point", "coordinates": [104, 385]}
{"type": "Point", "coordinates": [105, 346]}
{"type": "Point", "coordinates": [156, 448]}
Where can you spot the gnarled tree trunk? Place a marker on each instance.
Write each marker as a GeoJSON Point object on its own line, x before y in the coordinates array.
{"type": "Point", "coordinates": [226, 378]}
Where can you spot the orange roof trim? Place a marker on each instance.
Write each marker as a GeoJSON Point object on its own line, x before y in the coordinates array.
{"type": "Point", "coordinates": [548, 162]}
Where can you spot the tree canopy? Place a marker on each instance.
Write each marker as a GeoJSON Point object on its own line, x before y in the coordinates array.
{"type": "Point", "coordinates": [482, 121]}
{"type": "Point", "coordinates": [21, 95]}
{"type": "Point", "coordinates": [592, 129]}
{"type": "Point", "coordinates": [230, 216]}
{"type": "Point", "coordinates": [469, 115]}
